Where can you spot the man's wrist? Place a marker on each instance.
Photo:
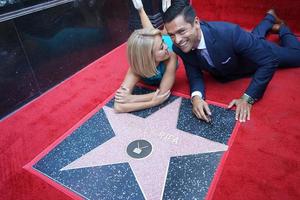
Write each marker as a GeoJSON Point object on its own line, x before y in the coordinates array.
{"type": "Point", "coordinates": [196, 95]}
{"type": "Point", "coordinates": [248, 99]}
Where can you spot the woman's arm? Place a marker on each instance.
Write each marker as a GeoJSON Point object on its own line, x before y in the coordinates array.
{"type": "Point", "coordinates": [126, 102]}
{"type": "Point", "coordinates": [129, 107]}
{"type": "Point", "coordinates": [158, 97]}
{"type": "Point", "coordinates": [146, 23]}
{"type": "Point", "coordinates": [169, 75]}
{"type": "Point", "coordinates": [165, 84]}
{"type": "Point", "coordinates": [124, 93]}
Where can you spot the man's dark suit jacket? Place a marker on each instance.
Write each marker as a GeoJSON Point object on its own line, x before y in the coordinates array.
{"type": "Point", "coordinates": [235, 53]}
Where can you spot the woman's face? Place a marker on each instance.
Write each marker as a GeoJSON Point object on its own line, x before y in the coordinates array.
{"type": "Point", "coordinates": [160, 49]}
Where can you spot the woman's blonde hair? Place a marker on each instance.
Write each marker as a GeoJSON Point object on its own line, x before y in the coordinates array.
{"type": "Point", "coordinates": [140, 51]}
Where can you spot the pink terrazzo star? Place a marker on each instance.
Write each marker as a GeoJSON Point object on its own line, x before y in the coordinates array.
{"type": "Point", "coordinates": [159, 129]}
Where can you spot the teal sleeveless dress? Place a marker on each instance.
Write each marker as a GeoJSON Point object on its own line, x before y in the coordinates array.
{"type": "Point", "coordinates": [161, 68]}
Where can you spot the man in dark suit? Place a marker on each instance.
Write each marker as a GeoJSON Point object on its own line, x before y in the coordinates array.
{"type": "Point", "coordinates": [227, 52]}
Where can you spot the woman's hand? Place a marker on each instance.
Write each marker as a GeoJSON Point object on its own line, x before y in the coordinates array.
{"type": "Point", "coordinates": [160, 98]}
{"type": "Point", "coordinates": [123, 95]}
{"type": "Point", "coordinates": [165, 4]}
{"type": "Point", "coordinates": [138, 4]}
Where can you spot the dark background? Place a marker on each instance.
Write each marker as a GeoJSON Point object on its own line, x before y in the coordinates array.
{"type": "Point", "coordinates": [41, 49]}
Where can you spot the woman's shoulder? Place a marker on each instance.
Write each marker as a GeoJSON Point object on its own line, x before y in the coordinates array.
{"type": "Point", "coordinates": [167, 38]}
{"type": "Point", "coordinates": [168, 41]}
{"type": "Point", "coordinates": [172, 59]}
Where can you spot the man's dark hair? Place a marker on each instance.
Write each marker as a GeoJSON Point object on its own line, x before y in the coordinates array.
{"type": "Point", "coordinates": [179, 8]}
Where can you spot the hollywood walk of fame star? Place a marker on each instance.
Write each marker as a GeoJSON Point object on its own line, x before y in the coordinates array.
{"type": "Point", "coordinates": [158, 131]}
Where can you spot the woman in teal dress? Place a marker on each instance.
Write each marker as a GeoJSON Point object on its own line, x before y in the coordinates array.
{"type": "Point", "coordinates": [151, 60]}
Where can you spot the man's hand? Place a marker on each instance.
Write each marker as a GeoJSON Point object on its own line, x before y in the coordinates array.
{"type": "Point", "coordinates": [201, 109]}
{"type": "Point", "coordinates": [160, 98]}
{"type": "Point", "coordinates": [123, 95]}
{"type": "Point", "coordinates": [243, 109]}
{"type": "Point", "coordinates": [138, 4]}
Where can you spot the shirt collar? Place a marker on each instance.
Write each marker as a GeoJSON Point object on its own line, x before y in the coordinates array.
{"type": "Point", "coordinates": [202, 44]}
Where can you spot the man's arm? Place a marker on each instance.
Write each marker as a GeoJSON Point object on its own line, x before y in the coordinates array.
{"type": "Point", "coordinates": [193, 72]}
{"type": "Point", "coordinates": [250, 47]}
{"type": "Point", "coordinates": [200, 106]}
{"type": "Point", "coordinates": [195, 77]}
{"type": "Point", "coordinates": [196, 83]}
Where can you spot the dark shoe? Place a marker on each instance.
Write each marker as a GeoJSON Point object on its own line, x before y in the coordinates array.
{"type": "Point", "coordinates": [277, 19]}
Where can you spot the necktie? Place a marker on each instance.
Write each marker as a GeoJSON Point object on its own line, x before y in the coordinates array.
{"type": "Point", "coordinates": [207, 63]}
{"type": "Point", "coordinates": [205, 55]}
{"type": "Point", "coordinates": [204, 63]}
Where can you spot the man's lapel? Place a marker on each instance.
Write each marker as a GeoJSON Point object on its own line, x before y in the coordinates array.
{"type": "Point", "coordinates": [212, 43]}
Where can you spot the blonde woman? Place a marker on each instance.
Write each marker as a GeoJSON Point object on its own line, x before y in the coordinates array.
{"type": "Point", "coordinates": [151, 60]}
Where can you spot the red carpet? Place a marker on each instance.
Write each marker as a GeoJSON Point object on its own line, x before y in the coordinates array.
{"type": "Point", "coordinates": [263, 162]}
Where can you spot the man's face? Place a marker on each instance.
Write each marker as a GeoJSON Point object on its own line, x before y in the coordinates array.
{"type": "Point", "coordinates": [185, 36]}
